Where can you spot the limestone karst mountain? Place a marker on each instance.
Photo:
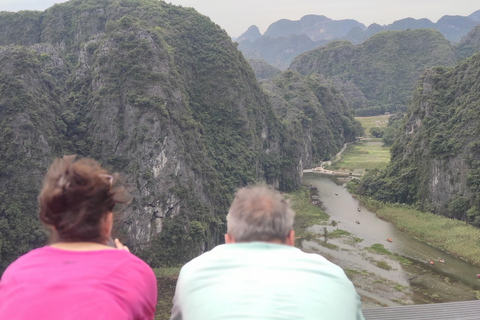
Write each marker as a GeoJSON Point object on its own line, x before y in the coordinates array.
{"type": "Point", "coordinates": [469, 44]}
{"type": "Point", "coordinates": [154, 91]}
{"type": "Point", "coordinates": [475, 16]}
{"type": "Point", "coordinates": [309, 104]}
{"type": "Point", "coordinates": [321, 30]}
{"type": "Point", "coordinates": [251, 34]}
{"type": "Point", "coordinates": [378, 75]}
{"type": "Point", "coordinates": [262, 69]}
{"type": "Point", "coordinates": [315, 27]}
{"type": "Point", "coordinates": [435, 160]}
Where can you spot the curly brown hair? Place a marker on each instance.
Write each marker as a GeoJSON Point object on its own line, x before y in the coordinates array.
{"type": "Point", "coordinates": [75, 197]}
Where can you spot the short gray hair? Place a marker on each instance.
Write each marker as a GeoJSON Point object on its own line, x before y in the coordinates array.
{"type": "Point", "coordinates": [259, 213]}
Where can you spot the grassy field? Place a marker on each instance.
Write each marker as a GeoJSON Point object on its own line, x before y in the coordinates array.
{"type": "Point", "coordinates": [166, 282]}
{"type": "Point", "coordinates": [370, 122]}
{"type": "Point", "coordinates": [366, 154]}
{"type": "Point", "coordinates": [363, 155]}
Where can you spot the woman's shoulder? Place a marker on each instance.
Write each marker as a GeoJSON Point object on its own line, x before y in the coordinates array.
{"type": "Point", "coordinates": [137, 264]}
{"type": "Point", "coordinates": [24, 261]}
{"type": "Point", "coordinates": [133, 260]}
{"type": "Point", "coordinates": [30, 255]}
{"type": "Point", "coordinates": [132, 274]}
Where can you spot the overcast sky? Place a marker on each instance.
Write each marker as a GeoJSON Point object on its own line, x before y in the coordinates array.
{"type": "Point", "coordinates": [235, 16]}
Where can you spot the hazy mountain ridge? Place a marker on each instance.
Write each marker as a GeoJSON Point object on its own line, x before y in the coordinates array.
{"type": "Point", "coordinates": [475, 16]}
{"type": "Point", "coordinates": [252, 34]}
{"type": "Point", "coordinates": [321, 30]}
{"type": "Point", "coordinates": [315, 27]}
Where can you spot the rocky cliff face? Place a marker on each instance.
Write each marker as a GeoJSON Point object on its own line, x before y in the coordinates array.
{"type": "Point", "coordinates": [435, 160]}
{"type": "Point", "coordinates": [31, 133]}
{"type": "Point", "coordinates": [154, 91]}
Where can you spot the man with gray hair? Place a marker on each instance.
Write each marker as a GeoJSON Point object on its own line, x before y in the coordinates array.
{"type": "Point", "coordinates": [258, 274]}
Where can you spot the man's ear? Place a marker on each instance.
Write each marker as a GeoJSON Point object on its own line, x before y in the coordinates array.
{"type": "Point", "coordinates": [290, 238]}
{"type": "Point", "coordinates": [229, 238]}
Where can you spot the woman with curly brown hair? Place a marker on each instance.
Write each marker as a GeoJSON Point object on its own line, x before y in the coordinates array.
{"type": "Point", "coordinates": [78, 276]}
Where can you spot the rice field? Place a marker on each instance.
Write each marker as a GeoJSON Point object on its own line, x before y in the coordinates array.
{"type": "Point", "coordinates": [370, 122]}
{"type": "Point", "coordinates": [363, 155]}
{"type": "Point", "coordinates": [366, 154]}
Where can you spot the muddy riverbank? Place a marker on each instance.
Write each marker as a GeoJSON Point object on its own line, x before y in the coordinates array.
{"type": "Point", "coordinates": [384, 279]}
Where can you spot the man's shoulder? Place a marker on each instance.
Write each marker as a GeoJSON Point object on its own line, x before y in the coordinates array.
{"type": "Point", "coordinates": [258, 253]}
{"type": "Point", "coordinates": [216, 253]}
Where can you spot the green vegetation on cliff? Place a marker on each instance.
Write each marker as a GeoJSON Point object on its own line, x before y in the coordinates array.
{"type": "Point", "coordinates": [31, 132]}
{"type": "Point", "coordinates": [319, 110]}
{"type": "Point", "coordinates": [315, 118]}
{"type": "Point", "coordinates": [435, 159]}
{"type": "Point", "coordinates": [469, 44]}
{"type": "Point", "coordinates": [379, 74]}
{"type": "Point", "coordinates": [262, 69]}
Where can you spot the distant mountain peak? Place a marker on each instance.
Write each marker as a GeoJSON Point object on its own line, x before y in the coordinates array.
{"type": "Point", "coordinates": [316, 27]}
{"type": "Point", "coordinates": [252, 34]}
{"type": "Point", "coordinates": [374, 26]}
{"type": "Point", "coordinates": [313, 18]}
{"type": "Point", "coordinates": [475, 16]}
{"type": "Point", "coordinates": [410, 23]}
{"type": "Point", "coordinates": [284, 39]}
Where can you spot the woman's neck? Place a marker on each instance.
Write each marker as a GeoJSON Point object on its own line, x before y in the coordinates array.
{"type": "Point", "coordinates": [80, 246]}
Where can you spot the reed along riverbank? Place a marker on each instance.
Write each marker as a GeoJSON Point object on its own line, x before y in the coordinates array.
{"type": "Point", "coordinates": [450, 235]}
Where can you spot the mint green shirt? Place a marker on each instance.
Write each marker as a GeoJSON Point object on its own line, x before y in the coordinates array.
{"type": "Point", "coordinates": [259, 280]}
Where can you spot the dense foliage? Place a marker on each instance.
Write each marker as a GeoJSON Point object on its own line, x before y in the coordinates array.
{"type": "Point", "coordinates": [314, 113]}
{"type": "Point", "coordinates": [469, 44]}
{"type": "Point", "coordinates": [435, 159]}
{"type": "Point", "coordinates": [378, 75]}
{"type": "Point", "coordinates": [262, 69]}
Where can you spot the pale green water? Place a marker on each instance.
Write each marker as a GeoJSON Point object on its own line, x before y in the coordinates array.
{"type": "Point", "coordinates": [342, 207]}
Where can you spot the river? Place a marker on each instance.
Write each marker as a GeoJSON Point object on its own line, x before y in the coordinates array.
{"type": "Point", "coordinates": [363, 224]}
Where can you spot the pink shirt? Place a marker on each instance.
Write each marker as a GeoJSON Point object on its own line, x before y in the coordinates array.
{"type": "Point", "coordinates": [50, 283]}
